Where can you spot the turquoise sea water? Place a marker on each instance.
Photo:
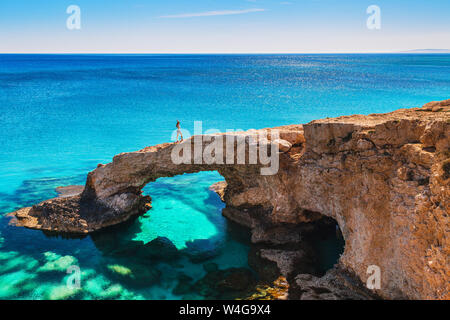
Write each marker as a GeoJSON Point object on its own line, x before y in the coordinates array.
{"type": "Point", "coordinates": [61, 115]}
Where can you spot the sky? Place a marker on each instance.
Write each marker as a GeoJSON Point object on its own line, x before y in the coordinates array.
{"type": "Point", "coordinates": [226, 26]}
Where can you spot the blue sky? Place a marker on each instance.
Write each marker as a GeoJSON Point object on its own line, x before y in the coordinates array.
{"type": "Point", "coordinates": [227, 26]}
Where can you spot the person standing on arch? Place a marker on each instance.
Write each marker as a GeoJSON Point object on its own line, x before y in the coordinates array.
{"type": "Point", "coordinates": [179, 131]}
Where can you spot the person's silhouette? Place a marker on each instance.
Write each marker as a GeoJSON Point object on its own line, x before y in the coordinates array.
{"type": "Point", "coordinates": [179, 131]}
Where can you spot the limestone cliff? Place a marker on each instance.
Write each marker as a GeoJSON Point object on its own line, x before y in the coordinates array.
{"type": "Point", "coordinates": [383, 177]}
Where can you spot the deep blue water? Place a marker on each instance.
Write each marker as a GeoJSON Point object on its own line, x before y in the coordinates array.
{"type": "Point", "coordinates": [61, 115]}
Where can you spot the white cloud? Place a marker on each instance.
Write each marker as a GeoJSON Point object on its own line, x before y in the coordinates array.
{"type": "Point", "coordinates": [212, 13]}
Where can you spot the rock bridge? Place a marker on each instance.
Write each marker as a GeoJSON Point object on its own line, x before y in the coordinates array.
{"type": "Point", "coordinates": [383, 177]}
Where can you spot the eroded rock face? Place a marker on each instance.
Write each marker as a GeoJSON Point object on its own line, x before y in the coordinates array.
{"type": "Point", "coordinates": [383, 177]}
{"type": "Point", "coordinates": [75, 214]}
{"type": "Point", "coordinates": [334, 285]}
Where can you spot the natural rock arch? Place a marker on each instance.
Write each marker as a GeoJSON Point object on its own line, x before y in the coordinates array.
{"type": "Point", "coordinates": [384, 178]}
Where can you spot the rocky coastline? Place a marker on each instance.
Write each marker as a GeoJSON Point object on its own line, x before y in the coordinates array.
{"type": "Point", "coordinates": [382, 180]}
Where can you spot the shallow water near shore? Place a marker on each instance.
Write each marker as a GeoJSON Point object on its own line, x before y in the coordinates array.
{"type": "Point", "coordinates": [114, 263]}
{"type": "Point", "coordinates": [64, 114]}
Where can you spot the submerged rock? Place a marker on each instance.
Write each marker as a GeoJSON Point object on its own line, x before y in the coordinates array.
{"type": "Point", "coordinates": [112, 292]}
{"type": "Point", "coordinates": [128, 248]}
{"type": "Point", "coordinates": [210, 267]}
{"type": "Point", "coordinates": [12, 284]}
{"type": "Point", "coordinates": [239, 279]}
{"type": "Point", "coordinates": [184, 285]}
{"type": "Point", "coordinates": [120, 270]}
{"type": "Point", "coordinates": [134, 274]}
{"type": "Point", "coordinates": [160, 248]}
{"type": "Point", "coordinates": [57, 263]}
{"type": "Point", "coordinates": [201, 249]}
{"type": "Point", "coordinates": [226, 284]}
{"type": "Point", "coordinates": [12, 260]}
{"type": "Point", "coordinates": [63, 292]}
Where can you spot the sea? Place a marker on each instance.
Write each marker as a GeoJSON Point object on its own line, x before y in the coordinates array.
{"type": "Point", "coordinates": [62, 114]}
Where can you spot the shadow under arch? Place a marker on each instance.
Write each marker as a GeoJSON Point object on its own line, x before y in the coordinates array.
{"type": "Point", "coordinates": [185, 212]}
{"type": "Point", "coordinates": [165, 254]}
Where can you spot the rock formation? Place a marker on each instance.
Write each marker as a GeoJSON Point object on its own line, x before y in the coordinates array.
{"type": "Point", "coordinates": [383, 177]}
{"type": "Point", "coordinates": [336, 284]}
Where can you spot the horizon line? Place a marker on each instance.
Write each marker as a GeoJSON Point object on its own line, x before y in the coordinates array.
{"type": "Point", "coordinates": [444, 51]}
